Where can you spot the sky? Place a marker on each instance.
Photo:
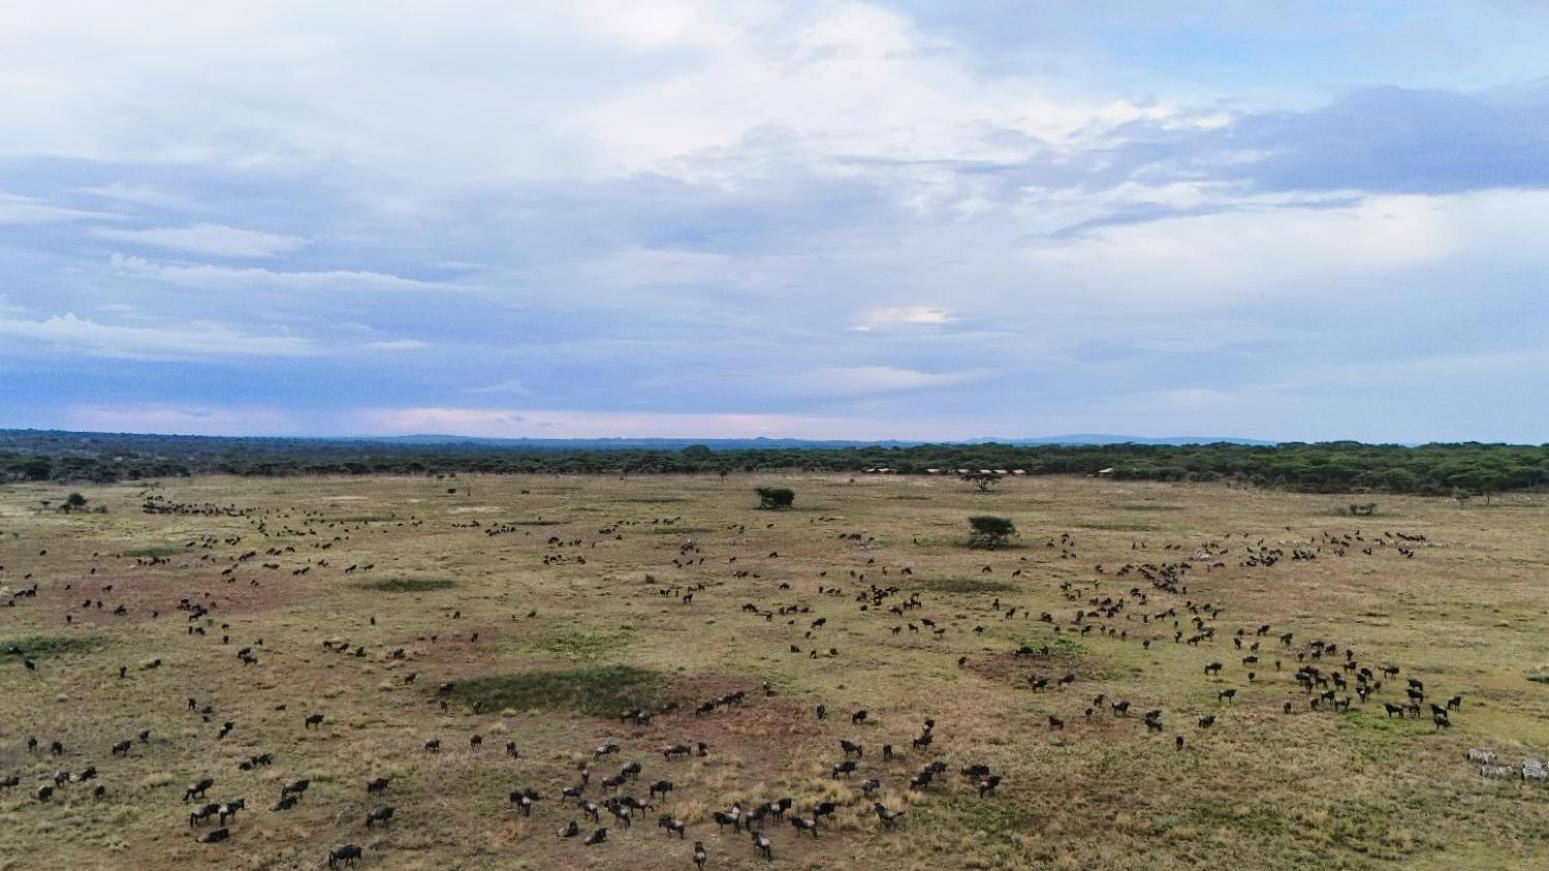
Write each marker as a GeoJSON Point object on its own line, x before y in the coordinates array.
{"type": "Point", "coordinates": [717, 218]}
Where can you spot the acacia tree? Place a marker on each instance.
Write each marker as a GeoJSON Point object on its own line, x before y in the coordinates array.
{"type": "Point", "coordinates": [74, 501]}
{"type": "Point", "coordinates": [990, 532]}
{"type": "Point", "coordinates": [775, 498]}
{"type": "Point", "coordinates": [981, 479]}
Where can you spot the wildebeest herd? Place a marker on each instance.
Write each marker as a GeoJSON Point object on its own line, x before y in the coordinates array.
{"type": "Point", "coordinates": [846, 685]}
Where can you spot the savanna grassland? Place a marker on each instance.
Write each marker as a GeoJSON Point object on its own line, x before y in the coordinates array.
{"type": "Point", "coordinates": [574, 587]}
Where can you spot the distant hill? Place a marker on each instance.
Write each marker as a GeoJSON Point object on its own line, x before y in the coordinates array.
{"type": "Point", "coordinates": [1102, 439]}
{"type": "Point", "coordinates": [628, 443]}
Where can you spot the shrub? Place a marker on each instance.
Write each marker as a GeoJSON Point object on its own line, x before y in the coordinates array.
{"type": "Point", "coordinates": [776, 498]}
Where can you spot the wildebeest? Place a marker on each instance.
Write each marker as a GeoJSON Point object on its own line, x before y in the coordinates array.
{"type": "Point", "coordinates": [197, 788]}
{"type": "Point", "coordinates": [668, 822]}
{"type": "Point", "coordinates": [347, 854]}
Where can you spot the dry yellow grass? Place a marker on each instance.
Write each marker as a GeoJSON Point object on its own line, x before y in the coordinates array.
{"type": "Point", "coordinates": [1467, 614]}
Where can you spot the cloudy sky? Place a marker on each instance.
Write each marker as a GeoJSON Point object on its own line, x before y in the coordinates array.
{"type": "Point", "coordinates": [904, 219]}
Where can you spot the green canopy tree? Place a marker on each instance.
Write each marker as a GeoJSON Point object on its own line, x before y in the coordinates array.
{"type": "Point", "coordinates": [990, 532]}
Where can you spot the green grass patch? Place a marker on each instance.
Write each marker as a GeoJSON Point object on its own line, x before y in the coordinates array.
{"type": "Point", "coordinates": [1059, 645]}
{"type": "Point", "coordinates": [153, 550]}
{"type": "Point", "coordinates": [1111, 526]}
{"type": "Point", "coordinates": [1253, 820]}
{"type": "Point", "coordinates": [43, 646]}
{"type": "Point", "coordinates": [965, 586]}
{"type": "Point", "coordinates": [582, 645]}
{"type": "Point", "coordinates": [1147, 506]}
{"type": "Point", "coordinates": [407, 585]}
{"type": "Point", "coordinates": [601, 691]}
{"type": "Point", "coordinates": [965, 813]}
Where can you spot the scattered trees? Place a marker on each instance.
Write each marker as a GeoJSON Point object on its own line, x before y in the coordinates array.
{"type": "Point", "coordinates": [775, 498]}
{"type": "Point", "coordinates": [990, 532]}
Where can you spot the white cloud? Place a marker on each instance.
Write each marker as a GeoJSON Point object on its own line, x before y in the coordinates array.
{"type": "Point", "coordinates": [909, 314]}
{"type": "Point", "coordinates": [168, 81]}
{"type": "Point", "coordinates": [865, 380]}
{"type": "Point", "coordinates": [140, 195]}
{"type": "Point", "coordinates": [16, 209]}
{"type": "Point", "coordinates": [210, 276]}
{"type": "Point", "coordinates": [549, 423]}
{"type": "Point", "coordinates": [170, 342]}
{"type": "Point", "coordinates": [513, 387]}
{"type": "Point", "coordinates": [214, 239]}
{"type": "Point", "coordinates": [185, 420]}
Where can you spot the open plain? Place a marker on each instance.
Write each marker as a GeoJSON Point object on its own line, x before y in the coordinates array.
{"type": "Point", "coordinates": [538, 610]}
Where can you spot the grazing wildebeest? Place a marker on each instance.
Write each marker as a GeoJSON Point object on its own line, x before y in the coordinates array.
{"type": "Point", "coordinates": [197, 788]}
{"type": "Point", "coordinates": [763, 846]}
{"type": "Point", "coordinates": [347, 854]}
{"type": "Point", "coordinates": [666, 821]}
{"type": "Point", "coordinates": [887, 817]}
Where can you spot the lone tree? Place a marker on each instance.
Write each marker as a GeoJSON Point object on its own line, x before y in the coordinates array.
{"type": "Point", "coordinates": [74, 502]}
{"type": "Point", "coordinates": [981, 479]}
{"type": "Point", "coordinates": [990, 532]}
{"type": "Point", "coordinates": [776, 498]}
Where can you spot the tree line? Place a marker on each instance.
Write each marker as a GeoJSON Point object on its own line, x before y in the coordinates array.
{"type": "Point", "coordinates": [1325, 467]}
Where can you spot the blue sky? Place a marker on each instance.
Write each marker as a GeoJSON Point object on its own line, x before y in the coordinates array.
{"type": "Point", "coordinates": [899, 219]}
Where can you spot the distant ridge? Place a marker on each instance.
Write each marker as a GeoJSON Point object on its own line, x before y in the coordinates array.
{"type": "Point", "coordinates": [630, 443]}
{"type": "Point", "coordinates": [627, 443]}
